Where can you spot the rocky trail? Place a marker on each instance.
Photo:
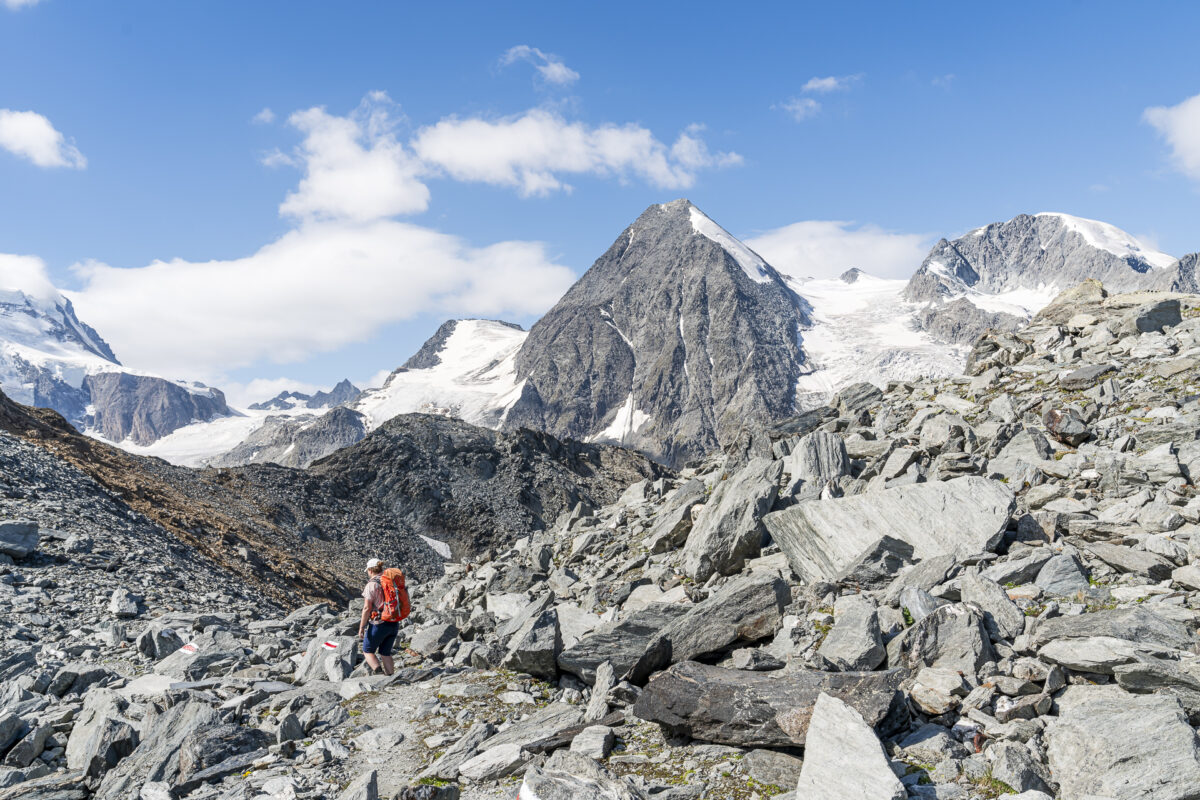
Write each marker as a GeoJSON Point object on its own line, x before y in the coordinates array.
{"type": "Point", "coordinates": [979, 587]}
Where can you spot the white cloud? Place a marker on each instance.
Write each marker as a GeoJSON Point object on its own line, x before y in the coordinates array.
{"type": "Point", "coordinates": [944, 81]}
{"type": "Point", "coordinates": [833, 83]}
{"type": "Point", "coordinates": [26, 274]}
{"type": "Point", "coordinates": [347, 268]}
{"type": "Point", "coordinates": [827, 248]}
{"type": "Point", "coordinates": [549, 66]}
{"type": "Point", "coordinates": [319, 287]}
{"type": "Point", "coordinates": [355, 169]}
{"type": "Point", "coordinates": [533, 150]}
{"type": "Point", "coordinates": [1180, 126]}
{"type": "Point", "coordinates": [31, 136]}
{"type": "Point", "coordinates": [801, 108]}
{"type": "Point", "coordinates": [264, 117]}
{"type": "Point", "coordinates": [16, 4]}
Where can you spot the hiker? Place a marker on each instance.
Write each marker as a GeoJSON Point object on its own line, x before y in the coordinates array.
{"type": "Point", "coordinates": [385, 603]}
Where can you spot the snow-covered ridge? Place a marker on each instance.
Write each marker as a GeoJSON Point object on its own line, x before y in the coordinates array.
{"type": "Point", "coordinates": [475, 379]}
{"type": "Point", "coordinates": [750, 261]}
{"type": "Point", "coordinates": [1103, 236]}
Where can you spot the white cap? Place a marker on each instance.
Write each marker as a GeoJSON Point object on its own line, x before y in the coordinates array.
{"type": "Point", "coordinates": [374, 562]}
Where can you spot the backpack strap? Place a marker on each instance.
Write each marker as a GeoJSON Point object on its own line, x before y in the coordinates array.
{"type": "Point", "coordinates": [375, 611]}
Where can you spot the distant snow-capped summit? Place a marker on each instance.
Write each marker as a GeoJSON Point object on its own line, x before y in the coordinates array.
{"type": "Point", "coordinates": [52, 359]}
{"type": "Point", "coordinates": [1007, 271]}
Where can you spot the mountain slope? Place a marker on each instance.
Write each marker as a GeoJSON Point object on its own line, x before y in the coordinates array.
{"type": "Point", "coordinates": [1007, 271]}
{"type": "Point", "coordinates": [674, 339]}
{"type": "Point", "coordinates": [51, 359]}
{"type": "Point", "coordinates": [474, 488]}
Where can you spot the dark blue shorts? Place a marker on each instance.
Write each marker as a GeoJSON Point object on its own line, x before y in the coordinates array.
{"type": "Point", "coordinates": [380, 637]}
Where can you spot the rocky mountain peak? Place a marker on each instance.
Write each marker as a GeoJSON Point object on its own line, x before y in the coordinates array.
{"type": "Point", "coordinates": [44, 321]}
{"type": "Point", "coordinates": [1036, 251]}
{"type": "Point", "coordinates": [673, 339]}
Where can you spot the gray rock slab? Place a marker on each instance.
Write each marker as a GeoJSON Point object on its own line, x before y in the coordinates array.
{"type": "Point", "coordinates": [1126, 559]}
{"type": "Point", "coordinates": [535, 648]}
{"type": "Point", "coordinates": [495, 762]}
{"type": "Point", "coordinates": [1062, 576]}
{"type": "Point", "coordinates": [953, 636]}
{"type": "Point", "coordinates": [571, 776]}
{"type": "Point", "coordinates": [854, 643]}
{"type": "Point", "coordinates": [772, 768]}
{"type": "Point", "coordinates": [18, 537]}
{"type": "Point", "coordinates": [1106, 742]}
{"type": "Point", "coordinates": [844, 757]}
{"type": "Point", "coordinates": [729, 529]}
{"type": "Point", "coordinates": [744, 610]}
{"type": "Point", "coordinates": [673, 520]}
{"type": "Point", "coordinates": [963, 516]}
{"type": "Point", "coordinates": [539, 725]}
{"type": "Point", "coordinates": [623, 642]}
{"type": "Point", "coordinates": [757, 709]}
{"type": "Point", "coordinates": [1000, 614]}
{"type": "Point", "coordinates": [1134, 624]}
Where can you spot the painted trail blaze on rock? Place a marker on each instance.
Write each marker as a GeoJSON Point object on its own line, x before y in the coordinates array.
{"type": "Point", "coordinates": [330, 645]}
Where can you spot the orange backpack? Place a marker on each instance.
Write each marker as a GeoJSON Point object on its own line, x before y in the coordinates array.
{"type": "Point", "coordinates": [395, 596]}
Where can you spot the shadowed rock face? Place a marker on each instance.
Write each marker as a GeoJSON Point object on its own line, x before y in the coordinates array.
{"type": "Point", "coordinates": [476, 488]}
{"type": "Point", "coordinates": [145, 408]}
{"type": "Point", "coordinates": [749, 709]}
{"type": "Point", "coordinates": [667, 344]}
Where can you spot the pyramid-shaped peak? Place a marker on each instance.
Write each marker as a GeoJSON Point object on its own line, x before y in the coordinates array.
{"type": "Point", "coordinates": [682, 217]}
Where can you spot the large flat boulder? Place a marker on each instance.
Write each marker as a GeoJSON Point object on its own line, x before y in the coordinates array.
{"type": "Point", "coordinates": [621, 643]}
{"type": "Point", "coordinates": [745, 610]}
{"type": "Point", "coordinates": [729, 529]}
{"type": "Point", "coordinates": [1106, 742]}
{"type": "Point", "coordinates": [1132, 624]}
{"type": "Point", "coordinates": [18, 537]}
{"type": "Point", "coordinates": [844, 757]}
{"type": "Point", "coordinates": [758, 709]}
{"type": "Point", "coordinates": [823, 537]}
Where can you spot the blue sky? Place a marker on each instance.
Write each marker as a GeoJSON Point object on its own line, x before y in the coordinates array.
{"type": "Point", "coordinates": [443, 179]}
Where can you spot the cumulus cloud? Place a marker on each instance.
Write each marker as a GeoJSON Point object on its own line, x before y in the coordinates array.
{"type": "Point", "coordinates": [264, 117]}
{"type": "Point", "coordinates": [26, 274]}
{"type": "Point", "coordinates": [355, 168]}
{"type": "Point", "coordinates": [550, 68]}
{"type": "Point", "coordinates": [832, 83]}
{"type": "Point", "coordinates": [827, 248]}
{"type": "Point", "coordinates": [348, 267]}
{"type": "Point", "coordinates": [1179, 126]}
{"type": "Point", "coordinates": [319, 287]}
{"type": "Point", "coordinates": [801, 108]}
{"type": "Point", "coordinates": [532, 151]}
{"type": "Point", "coordinates": [29, 135]}
{"type": "Point", "coordinates": [345, 270]}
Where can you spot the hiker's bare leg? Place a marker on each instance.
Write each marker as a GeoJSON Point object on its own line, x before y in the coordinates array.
{"type": "Point", "coordinates": [372, 661]}
{"type": "Point", "coordinates": [389, 666]}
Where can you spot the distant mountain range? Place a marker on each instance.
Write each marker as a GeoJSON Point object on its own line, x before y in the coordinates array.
{"type": "Point", "coordinates": [678, 339]}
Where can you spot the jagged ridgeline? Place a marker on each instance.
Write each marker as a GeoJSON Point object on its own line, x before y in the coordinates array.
{"type": "Point", "coordinates": [979, 586]}
{"type": "Point", "coordinates": [680, 341]}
